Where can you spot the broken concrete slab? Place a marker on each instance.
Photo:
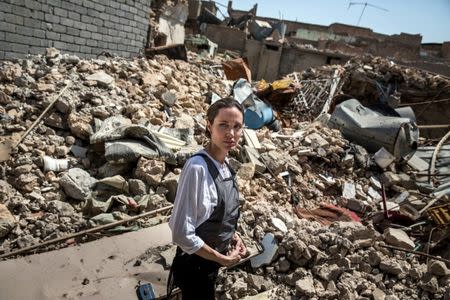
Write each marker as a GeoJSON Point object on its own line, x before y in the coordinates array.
{"type": "Point", "coordinates": [102, 79]}
{"type": "Point", "coordinates": [77, 183]}
{"type": "Point", "coordinates": [398, 238]}
{"type": "Point", "coordinates": [348, 190]}
{"type": "Point", "coordinates": [252, 155]}
{"type": "Point", "coordinates": [7, 221]}
{"type": "Point", "coordinates": [383, 158]}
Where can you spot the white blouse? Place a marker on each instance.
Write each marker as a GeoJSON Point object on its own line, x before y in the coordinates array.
{"type": "Point", "coordinates": [195, 202]}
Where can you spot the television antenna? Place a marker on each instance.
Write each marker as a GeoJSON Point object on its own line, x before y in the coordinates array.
{"type": "Point", "coordinates": [365, 4]}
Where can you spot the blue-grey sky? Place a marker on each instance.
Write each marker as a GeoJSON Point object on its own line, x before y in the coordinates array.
{"type": "Point", "coordinates": [430, 18]}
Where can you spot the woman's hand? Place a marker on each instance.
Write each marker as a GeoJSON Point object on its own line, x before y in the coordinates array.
{"type": "Point", "coordinates": [231, 258]}
{"type": "Point", "coordinates": [239, 245]}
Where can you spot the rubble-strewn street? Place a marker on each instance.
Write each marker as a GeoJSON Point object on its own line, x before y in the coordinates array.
{"type": "Point", "coordinates": [113, 144]}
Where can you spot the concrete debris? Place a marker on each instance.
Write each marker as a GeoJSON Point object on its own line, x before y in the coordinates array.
{"type": "Point", "coordinates": [77, 183]}
{"type": "Point", "coordinates": [116, 142]}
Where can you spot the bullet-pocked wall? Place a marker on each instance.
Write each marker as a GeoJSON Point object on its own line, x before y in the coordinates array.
{"type": "Point", "coordinates": [82, 27]}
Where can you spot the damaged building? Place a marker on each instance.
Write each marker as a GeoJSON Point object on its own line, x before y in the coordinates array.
{"type": "Point", "coordinates": [343, 167]}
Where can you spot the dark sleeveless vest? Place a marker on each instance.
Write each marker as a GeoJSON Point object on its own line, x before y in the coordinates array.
{"type": "Point", "coordinates": [218, 230]}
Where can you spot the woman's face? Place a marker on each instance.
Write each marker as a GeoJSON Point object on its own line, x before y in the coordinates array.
{"type": "Point", "coordinates": [226, 128]}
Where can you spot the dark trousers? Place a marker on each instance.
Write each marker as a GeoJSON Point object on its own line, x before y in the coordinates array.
{"type": "Point", "coordinates": [194, 275]}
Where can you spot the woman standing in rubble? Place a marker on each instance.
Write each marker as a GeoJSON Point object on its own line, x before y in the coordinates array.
{"type": "Point", "coordinates": [206, 208]}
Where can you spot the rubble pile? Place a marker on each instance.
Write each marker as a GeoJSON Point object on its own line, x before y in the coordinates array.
{"type": "Point", "coordinates": [346, 260]}
{"type": "Point", "coordinates": [114, 142]}
{"type": "Point", "coordinates": [57, 180]}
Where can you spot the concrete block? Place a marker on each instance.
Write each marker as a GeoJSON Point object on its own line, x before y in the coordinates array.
{"type": "Point", "coordinates": [417, 163]}
{"type": "Point", "coordinates": [91, 27]}
{"type": "Point", "coordinates": [80, 41]}
{"type": "Point", "coordinates": [54, 3]}
{"type": "Point", "coordinates": [7, 27]}
{"type": "Point", "coordinates": [51, 18]}
{"type": "Point", "coordinates": [108, 24]}
{"type": "Point", "coordinates": [52, 35]}
{"type": "Point", "coordinates": [348, 190]}
{"type": "Point", "coordinates": [85, 49]}
{"type": "Point", "coordinates": [60, 12]}
{"type": "Point", "coordinates": [59, 28]}
{"type": "Point", "coordinates": [33, 4]}
{"type": "Point", "coordinates": [37, 15]}
{"type": "Point", "coordinates": [383, 158]}
{"type": "Point", "coordinates": [85, 34]}
{"type": "Point", "coordinates": [22, 11]}
{"type": "Point", "coordinates": [74, 16]}
{"type": "Point", "coordinates": [39, 33]}
{"type": "Point", "coordinates": [14, 19]}
{"type": "Point", "coordinates": [67, 22]}
{"type": "Point", "coordinates": [20, 48]}
{"type": "Point", "coordinates": [114, 4]}
{"type": "Point", "coordinates": [73, 31]}
{"type": "Point", "coordinates": [96, 36]}
{"type": "Point", "coordinates": [80, 9]}
{"type": "Point", "coordinates": [102, 30]}
{"type": "Point", "coordinates": [88, 4]}
{"type": "Point", "coordinates": [60, 45]}
{"type": "Point", "coordinates": [99, 7]}
{"type": "Point", "coordinates": [67, 38]}
{"type": "Point", "coordinates": [79, 25]}
{"type": "Point", "coordinates": [124, 7]}
{"type": "Point", "coordinates": [91, 43]}
{"type": "Point", "coordinates": [73, 48]}
{"type": "Point", "coordinates": [6, 7]}
{"type": "Point", "coordinates": [98, 22]}
{"type": "Point", "coordinates": [114, 19]}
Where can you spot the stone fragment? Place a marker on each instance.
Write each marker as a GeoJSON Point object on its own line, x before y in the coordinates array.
{"type": "Point", "coordinates": [378, 294]}
{"type": "Point", "coordinates": [246, 171]}
{"type": "Point", "coordinates": [305, 286]}
{"type": "Point", "coordinates": [383, 158]}
{"type": "Point", "coordinates": [438, 268]}
{"type": "Point", "coordinates": [116, 182]}
{"type": "Point", "coordinates": [391, 266]}
{"type": "Point", "coordinates": [77, 183]}
{"type": "Point", "coordinates": [7, 221]}
{"type": "Point", "coordinates": [348, 190]}
{"type": "Point", "coordinates": [316, 141]}
{"type": "Point", "coordinates": [170, 181]}
{"type": "Point", "coordinates": [398, 238]}
{"type": "Point", "coordinates": [151, 171]}
{"type": "Point", "coordinates": [258, 282]}
{"type": "Point", "coordinates": [110, 169]}
{"type": "Point", "coordinates": [279, 224]}
{"type": "Point", "coordinates": [329, 272]}
{"type": "Point", "coordinates": [80, 125]}
{"type": "Point", "coordinates": [102, 79]}
{"type": "Point", "coordinates": [283, 265]}
{"type": "Point", "coordinates": [252, 155]}
{"type": "Point", "coordinates": [137, 187]}
{"type": "Point", "coordinates": [168, 98]}
{"type": "Point", "coordinates": [64, 209]}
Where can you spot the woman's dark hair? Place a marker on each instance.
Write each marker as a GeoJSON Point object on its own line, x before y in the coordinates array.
{"type": "Point", "coordinates": [214, 108]}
